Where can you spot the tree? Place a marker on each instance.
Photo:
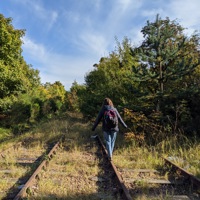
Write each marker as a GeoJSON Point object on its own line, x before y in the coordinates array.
{"type": "Point", "coordinates": [15, 75]}
{"type": "Point", "coordinates": [56, 95]}
{"type": "Point", "coordinates": [10, 57]}
{"type": "Point", "coordinates": [75, 96]}
{"type": "Point", "coordinates": [112, 77]}
{"type": "Point", "coordinates": [165, 54]}
{"type": "Point", "coordinates": [10, 40]}
{"type": "Point", "coordinates": [56, 90]}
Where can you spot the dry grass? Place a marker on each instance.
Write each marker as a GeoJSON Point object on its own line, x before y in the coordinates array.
{"type": "Point", "coordinates": [71, 172]}
{"type": "Point", "coordinates": [135, 155]}
{"type": "Point", "coordinates": [75, 172]}
{"type": "Point", "coordinates": [69, 175]}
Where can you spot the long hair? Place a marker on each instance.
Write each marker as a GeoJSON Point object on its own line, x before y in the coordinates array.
{"type": "Point", "coordinates": [108, 101]}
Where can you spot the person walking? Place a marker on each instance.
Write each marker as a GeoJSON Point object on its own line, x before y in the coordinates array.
{"type": "Point", "coordinates": [110, 128]}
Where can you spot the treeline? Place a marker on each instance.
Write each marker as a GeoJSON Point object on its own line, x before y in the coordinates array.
{"type": "Point", "coordinates": [155, 85]}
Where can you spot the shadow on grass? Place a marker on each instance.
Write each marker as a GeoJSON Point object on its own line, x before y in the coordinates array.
{"type": "Point", "coordinates": [75, 197]}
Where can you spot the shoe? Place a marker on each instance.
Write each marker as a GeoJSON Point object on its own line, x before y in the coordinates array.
{"type": "Point", "coordinates": [93, 136]}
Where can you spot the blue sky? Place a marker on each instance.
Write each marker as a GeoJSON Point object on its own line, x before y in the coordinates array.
{"type": "Point", "coordinates": [64, 38]}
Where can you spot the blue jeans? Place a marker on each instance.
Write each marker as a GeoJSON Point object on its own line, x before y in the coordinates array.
{"type": "Point", "coordinates": [110, 137]}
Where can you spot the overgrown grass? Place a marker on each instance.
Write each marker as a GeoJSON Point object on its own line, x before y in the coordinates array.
{"type": "Point", "coordinates": [137, 153]}
{"type": "Point", "coordinates": [5, 134]}
{"type": "Point", "coordinates": [68, 175]}
{"type": "Point", "coordinates": [184, 151]}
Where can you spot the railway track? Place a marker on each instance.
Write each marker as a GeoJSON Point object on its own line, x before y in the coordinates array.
{"type": "Point", "coordinates": [19, 166]}
{"type": "Point", "coordinates": [170, 182]}
{"type": "Point", "coordinates": [88, 177]}
{"type": "Point", "coordinates": [91, 176]}
{"type": "Point", "coordinates": [167, 183]}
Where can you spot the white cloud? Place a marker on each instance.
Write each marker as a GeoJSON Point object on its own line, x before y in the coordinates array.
{"type": "Point", "coordinates": [65, 69]}
{"type": "Point", "coordinates": [151, 13]}
{"type": "Point", "coordinates": [57, 67]}
{"type": "Point", "coordinates": [34, 50]}
{"type": "Point", "coordinates": [37, 10]}
{"type": "Point", "coordinates": [93, 43]}
{"type": "Point", "coordinates": [136, 36]}
{"type": "Point", "coordinates": [124, 4]}
{"type": "Point", "coordinates": [52, 18]}
{"type": "Point", "coordinates": [74, 17]}
{"type": "Point", "coordinates": [97, 4]}
{"type": "Point", "coordinates": [187, 12]}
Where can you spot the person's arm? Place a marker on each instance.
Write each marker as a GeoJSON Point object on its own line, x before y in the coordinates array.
{"type": "Point", "coordinates": [120, 119]}
{"type": "Point", "coordinates": [98, 119]}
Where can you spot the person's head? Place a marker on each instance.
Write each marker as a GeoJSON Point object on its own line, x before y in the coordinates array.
{"type": "Point", "coordinates": [107, 101]}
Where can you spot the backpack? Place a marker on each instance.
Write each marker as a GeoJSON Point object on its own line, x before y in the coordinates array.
{"type": "Point", "coordinates": [110, 118]}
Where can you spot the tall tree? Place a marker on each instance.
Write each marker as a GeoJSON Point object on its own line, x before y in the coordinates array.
{"type": "Point", "coordinates": [15, 74]}
{"type": "Point", "coordinates": [166, 54]}
{"type": "Point", "coordinates": [112, 77]}
{"type": "Point", "coordinates": [10, 40]}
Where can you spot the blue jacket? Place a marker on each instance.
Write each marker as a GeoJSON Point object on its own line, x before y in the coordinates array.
{"type": "Point", "coordinates": [100, 116]}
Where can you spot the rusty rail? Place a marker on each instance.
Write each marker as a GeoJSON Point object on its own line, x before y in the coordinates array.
{"type": "Point", "coordinates": [23, 192]}
{"type": "Point", "coordinates": [194, 180]}
{"type": "Point", "coordinates": [124, 191]}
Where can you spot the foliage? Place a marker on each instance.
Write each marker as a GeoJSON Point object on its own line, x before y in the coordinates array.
{"type": "Point", "coordinates": [113, 78]}
{"type": "Point", "coordinates": [10, 39]}
{"type": "Point", "coordinates": [166, 56]}
{"type": "Point", "coordinates": [11, 69]}
{"type": "Point", "coordinates": [75, 97]}
{"type": "Point", "coordinates": [4, 134]}
{"type": "Point", "coordinates": [16, 76]}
